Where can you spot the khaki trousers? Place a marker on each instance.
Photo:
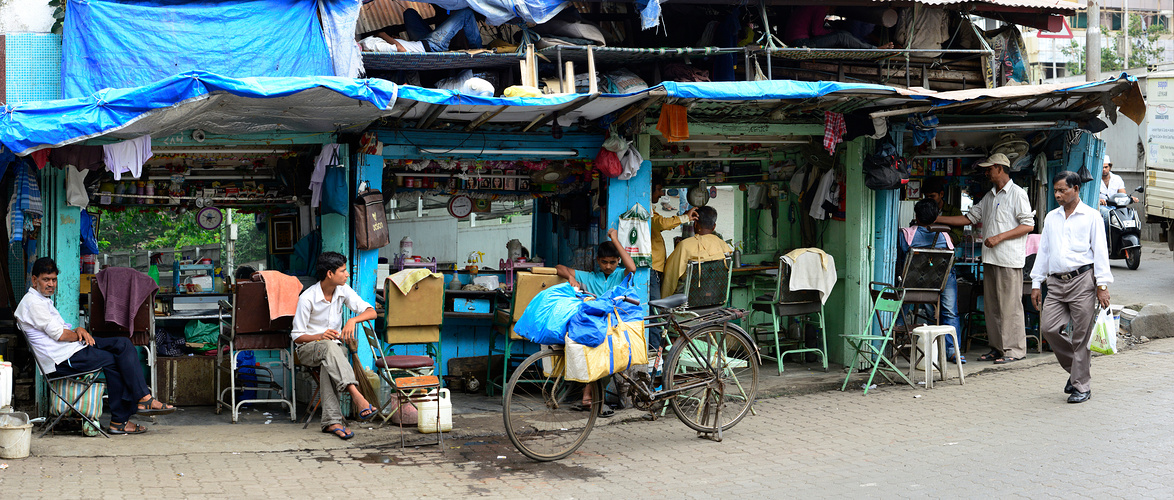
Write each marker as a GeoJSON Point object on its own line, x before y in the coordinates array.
{"type": "Point", "coordinates": [1073, 301]}
{"type": "Point", "coordinates": [334, 375]}
{"type": "Point", "coordinates": [1003, 298]}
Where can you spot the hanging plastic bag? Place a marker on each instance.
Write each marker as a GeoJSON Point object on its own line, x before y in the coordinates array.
{"type": "Point", "coordinates": [608, 163]}
{"type": "Point", "coordinates": [635, 233]}
{"type": "Point", "coordinates": [1104, 333]}
{"type": "Point", "coordinates": [589, 326]}
{"type": "Point", "coordinates": [545, 319]}
{"type": "Point", "coordinates": [630, 162]}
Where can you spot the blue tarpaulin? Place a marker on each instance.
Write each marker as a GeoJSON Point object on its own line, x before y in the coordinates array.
{"type": "Point", "coordinates": [201, 100]}
{"type": "Point", "coordinates": [122, 44]}
{"type": "Point", "coordinates": [499, 12]}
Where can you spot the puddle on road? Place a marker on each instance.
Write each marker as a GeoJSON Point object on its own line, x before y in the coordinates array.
{"type": "Point", "coordinates": [480, 459]}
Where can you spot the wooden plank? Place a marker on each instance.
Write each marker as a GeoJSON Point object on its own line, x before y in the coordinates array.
{"type": "Point", "coordinates": [485, 117]}
{"type": "Point", "coordinates": [571, 106]}
{"type": "Point", "coordinates": [432, 115]}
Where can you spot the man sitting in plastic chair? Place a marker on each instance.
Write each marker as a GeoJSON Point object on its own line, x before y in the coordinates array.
{"type": "Point", "coordinates": [61, 349]}
{"type": "Point", "coordinates": [319, 332]}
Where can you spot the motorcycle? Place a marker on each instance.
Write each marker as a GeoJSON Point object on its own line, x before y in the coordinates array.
{"type": "Point", "coordinates": [1124, 229]}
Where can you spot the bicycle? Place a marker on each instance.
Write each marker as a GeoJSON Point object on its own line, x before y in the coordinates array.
{"type": "Point", "coordinates": [714, 378]}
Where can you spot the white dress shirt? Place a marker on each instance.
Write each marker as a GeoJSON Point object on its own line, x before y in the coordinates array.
{"type": "Point", "coordinates": [1115, 185]}
{"type": "Point", "coordinates": [1068, 243]}
{"type": "Point", "coordinates": [315, 314]}
{"type": "Point", "coordinates": [43, 325]}
{"type": "Point", "coordinates": [1002, 210]}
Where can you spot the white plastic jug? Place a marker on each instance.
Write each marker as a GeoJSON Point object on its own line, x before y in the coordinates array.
{"type": "Point", "coordinates": [428, 419]}
{"type": "Point", "coordinates": [5, 384]}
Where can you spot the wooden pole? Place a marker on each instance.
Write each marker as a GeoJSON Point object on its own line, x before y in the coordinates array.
{"type": "Point", "coordinates": [569, 76]}
{"type": "Point", "coordinates": [592, 85]}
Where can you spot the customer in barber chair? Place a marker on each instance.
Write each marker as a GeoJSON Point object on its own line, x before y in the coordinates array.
{"type": "Point", "coordinates": [318, 331]}
{"type": "Point", "coordinates": [920, 236]}
{"type": "Point", "coordinates": [62, 349]}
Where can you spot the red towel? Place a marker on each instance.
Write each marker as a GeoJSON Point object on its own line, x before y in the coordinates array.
{"type": "Point", "coordinates": [283, 291]}
{"type": "Point", "coordinates": [124, 290]}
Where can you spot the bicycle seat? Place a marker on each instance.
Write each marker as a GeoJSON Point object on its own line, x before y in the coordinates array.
{"type": "Point", "coordinates": [669, 302]}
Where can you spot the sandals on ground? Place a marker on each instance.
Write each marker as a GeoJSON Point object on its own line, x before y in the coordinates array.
{"type": "Point", "coordinates": [145, 408]}
{"type": "Point", "coordinates": [119, 429]}
{"type": "Point", "coordinates": [342, 432]}
{"type": "Point", "coordinates": [991, 356]}
{"type": "Point", "coordinates": [1007, 359]}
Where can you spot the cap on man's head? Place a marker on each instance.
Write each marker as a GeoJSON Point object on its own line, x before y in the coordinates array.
{"type": "Point", "coordinates": [995, 159]}
{"type": "Point", "coordinates": [1107, 160]}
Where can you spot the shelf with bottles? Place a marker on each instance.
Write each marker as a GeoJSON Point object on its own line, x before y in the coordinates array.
{"type": "Point", "coordinates": [180, 190]}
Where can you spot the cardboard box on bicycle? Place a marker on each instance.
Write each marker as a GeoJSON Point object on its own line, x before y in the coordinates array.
{"type": "Point", "coordinates": [624, 348]}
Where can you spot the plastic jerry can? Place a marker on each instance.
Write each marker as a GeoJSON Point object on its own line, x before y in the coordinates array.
{"type": "Point", "coordinates": [429, 420]}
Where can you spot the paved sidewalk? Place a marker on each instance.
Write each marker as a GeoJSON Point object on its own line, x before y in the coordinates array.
{"type": "Point", "coordinates": [1006, 433]}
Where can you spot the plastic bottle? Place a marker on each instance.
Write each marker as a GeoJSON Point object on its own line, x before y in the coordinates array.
{"type": "Point", "coordinates": [149, 191]}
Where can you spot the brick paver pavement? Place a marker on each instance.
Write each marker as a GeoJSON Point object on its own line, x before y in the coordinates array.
{"type": "Point", "coordinates": [1004, 434]}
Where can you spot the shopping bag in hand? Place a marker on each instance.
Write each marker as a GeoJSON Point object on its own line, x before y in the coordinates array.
{"type": "Point", "coordinates": [635, 232]}
{"type": "Point", "coordinates": [1104, 333]}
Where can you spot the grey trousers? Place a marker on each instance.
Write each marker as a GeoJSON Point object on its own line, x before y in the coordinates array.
{"type": "Point", "coordinates": [335, 374]}
{"type": "Point", "coordinates": [1003, 298]}
{"type": "Point", "coordinates": [1073, 301]}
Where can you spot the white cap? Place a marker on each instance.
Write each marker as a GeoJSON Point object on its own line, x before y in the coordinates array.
{"type": "Point", "coordinates": [1107, 160]}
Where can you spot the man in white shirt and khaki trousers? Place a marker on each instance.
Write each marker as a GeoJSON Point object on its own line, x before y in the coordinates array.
{"type": "Point", "coordinates": [1007, 217]}
{"type": "Point", "coordinates": [1073, 244]}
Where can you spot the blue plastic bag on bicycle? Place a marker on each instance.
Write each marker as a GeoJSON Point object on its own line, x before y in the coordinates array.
{"type": "Point", "coordinates": [545, 319]}
{"type": "Point", "coordinates": [589, 326]}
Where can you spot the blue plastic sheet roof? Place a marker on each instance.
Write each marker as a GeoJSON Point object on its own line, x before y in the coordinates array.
{"type": "Point", "coordinates": [200, 100]}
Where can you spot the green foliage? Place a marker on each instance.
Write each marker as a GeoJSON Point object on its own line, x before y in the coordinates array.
{"type": "Point", "coordinates": [1143, 48]}
{"type": "Point", "coordinates": [251, 244]}
{"type": "Point", "coordinates": [147, 229]}
{"type": "Point", "coordinates": [58, 15]}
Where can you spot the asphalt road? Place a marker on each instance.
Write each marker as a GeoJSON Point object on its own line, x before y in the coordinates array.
{"type": "Point", "coordinates": [1153, 281]}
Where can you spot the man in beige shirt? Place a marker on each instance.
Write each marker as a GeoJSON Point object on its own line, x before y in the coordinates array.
{"type": "Point", "coordinates": [703, 246]}
{"type": "Point", "coordinates": [659, 225]}
{"type": "Point", "coordinates": [1006, 217]}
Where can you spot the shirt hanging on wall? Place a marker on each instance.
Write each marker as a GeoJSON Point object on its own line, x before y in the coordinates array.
{"type": "Point", "coordinates": [127, 156]}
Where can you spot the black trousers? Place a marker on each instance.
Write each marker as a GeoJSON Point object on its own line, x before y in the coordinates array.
{"type": "Point", "coordinates": [119, 360]}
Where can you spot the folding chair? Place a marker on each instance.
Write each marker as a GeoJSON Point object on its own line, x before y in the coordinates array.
{"type": "Point", "coordinates": [141, 335]}
{"type": "Point", "coordinates": [885, 308]}
{"type": "Point", "coordinates": [56, 387]}
{"type": "Point", "coordinates": [249, 328]}
{"type": "Point", "coordinates": [404, 388]}
{"type": "Point", "coordinates": [785, 303]}
{"type": "Point", "coordinates": [526, 286]}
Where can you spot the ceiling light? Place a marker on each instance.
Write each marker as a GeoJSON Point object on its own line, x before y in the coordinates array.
{"type": "Point", "coordinates": [998, 126]}
{"type": "Point", "coordinates": [500, 152]}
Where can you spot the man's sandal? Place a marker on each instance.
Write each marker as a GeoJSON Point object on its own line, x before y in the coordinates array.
{"type": "Point", "coordinates": [991, 356]}
{"type": "Point", "coordinates": [118, 429]}
{"type": "Point", "coordinates": [366, 413]}
{"type": "Point", "coordinates": [341, 432]}
{"type": "Point", "coordinates": [144, 407]}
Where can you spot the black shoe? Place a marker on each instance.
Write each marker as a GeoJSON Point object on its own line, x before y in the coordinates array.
{"type": "Point", "coordinates": [1068, 389]}
{"type": "Point", "coordinates": [1079, 397]}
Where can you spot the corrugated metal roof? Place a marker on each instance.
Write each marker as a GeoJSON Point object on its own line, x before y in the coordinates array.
{"type": "Point", "coordinates": [379, 14]}
{"type": "Point", "coordinates": [1061, 5]}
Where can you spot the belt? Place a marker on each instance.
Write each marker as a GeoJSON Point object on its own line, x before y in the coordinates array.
{"type": "Point", "coordinates": [1072, 274]}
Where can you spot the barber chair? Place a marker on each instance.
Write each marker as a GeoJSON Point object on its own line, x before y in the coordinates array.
{"type": "Point", "coordinates": [249, 328]}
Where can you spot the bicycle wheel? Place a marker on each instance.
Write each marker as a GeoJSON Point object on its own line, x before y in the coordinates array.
{"type": "Point", "coordinates": [539, 408]}
{"type": "Point", "coordinates": [723, 369]}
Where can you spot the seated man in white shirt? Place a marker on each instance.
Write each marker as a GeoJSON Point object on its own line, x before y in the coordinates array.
{"type": "Point", "coordinates": [1110, 184]}
{"type": "Point", "coordinates": [318, 331]}
{"type": "Point", "coordinates": [61, 350]}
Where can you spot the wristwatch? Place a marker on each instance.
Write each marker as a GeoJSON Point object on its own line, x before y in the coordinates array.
{"type": "Point", "coordinates": [1102, 287]}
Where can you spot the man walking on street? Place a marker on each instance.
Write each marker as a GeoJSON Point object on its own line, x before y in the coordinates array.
{"type": "Point", "coordinates": [1073, 244]}
{"type": "Point", "coordinates": [1007, 217]}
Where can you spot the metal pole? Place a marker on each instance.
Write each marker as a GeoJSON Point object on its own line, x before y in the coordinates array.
{"type": "Point", "coordinates": [1092, 43]}
{"type": "Point", "coordinates": [1125, 26]}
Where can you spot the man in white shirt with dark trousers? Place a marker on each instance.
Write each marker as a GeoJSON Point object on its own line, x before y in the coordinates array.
{"type": "Point", "coordinates": [1073, 244]}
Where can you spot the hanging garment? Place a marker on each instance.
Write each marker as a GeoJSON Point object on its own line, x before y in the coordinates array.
{"type": "Point", "coordinates": [82, 157]}
{"type": "Point", "coordinates": [673, 123]}
{"type": "Point", "coordinates": [834, 129]}
{"type": "Point", "coordinates": [328, 156]}
{"type": "Point", "coordinates": [127, 156]}
{"type": "Point", "coordinates": [75, 187]}
{"type": "Point", "coordinates": [26, 205]}
{"type": "Point", "coordinates": [40, 157]}
{"type": "Point", "coordinates": [827, 196]}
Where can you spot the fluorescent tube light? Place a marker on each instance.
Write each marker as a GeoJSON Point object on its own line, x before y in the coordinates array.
{"type": "Point", "coordinates": [745, 141]}
{"type": "Point", "coordinates": [998, 126]}
{"type": "Point", "coordinates": [499, 152]}
{"type": "Point", "coordinates": [218, 151]}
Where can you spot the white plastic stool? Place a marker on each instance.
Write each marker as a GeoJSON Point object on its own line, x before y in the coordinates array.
{"type": "Point", "coordinates": [927, 336]}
